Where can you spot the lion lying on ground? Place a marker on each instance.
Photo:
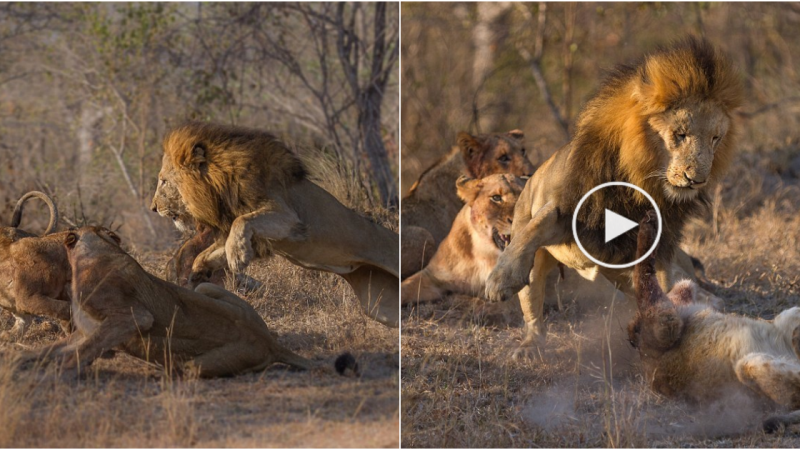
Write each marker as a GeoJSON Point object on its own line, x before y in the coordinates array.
{"type": "Point", "coordinates": [431, 205]}
{"type": "Point", "coordinates": [689, 350]}
{"type": "Point", "coordinates": [253, 192]}
{"type": "Point", "coordinates": [117, 305]}
{"type": "Point", "coordinates": [664, 125]}
{"type": "Point", "coordinates": [34, 272]}
{"type": "Point", "coordinates": [479, 234]}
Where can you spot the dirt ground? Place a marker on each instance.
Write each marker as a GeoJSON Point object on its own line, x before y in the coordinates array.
{"type": "Point", "coordinates": [122, 402]}
{"type": "Point", "coordinates": [460, 388]}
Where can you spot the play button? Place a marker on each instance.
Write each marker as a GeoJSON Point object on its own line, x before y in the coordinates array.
{"type": "Point", "coordinates": [617, 225]}
{"type": "Point", "coordinates": [604, 225]}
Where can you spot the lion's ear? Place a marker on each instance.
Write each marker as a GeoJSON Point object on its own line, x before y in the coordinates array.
{"type": "Point", "coordinates": [468, 188]}
{"type": "Point", "coordinates": [198, 156]}
{"type": "Point", "coordinates": [472, 150]}
{"type": "Point", "coordinates": [516, 134]}
{"type": "Point", "coordinates": [114, 236]}
{"type": "Point", "coordinates": [70, 240]}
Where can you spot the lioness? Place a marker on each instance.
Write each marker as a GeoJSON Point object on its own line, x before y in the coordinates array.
{"type": "Point", "coordinates": [664, 125]}
{"type": "Point", "coordinates": [431, 205]}
{"type": "Point", "coordinates": [117, 305]}
{"type": "Point", "coordinates": [34, 273]}
{"type": "Point", "coordinates": [690, 350]}
{"type": "Point", "coordinates": [469, 252]}
{"type": "Point", "coordinates": [253, 192]}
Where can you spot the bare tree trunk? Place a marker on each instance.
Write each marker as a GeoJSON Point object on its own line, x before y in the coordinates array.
{"type": "Point", "coordinates": [484, 40]}
{"type": "Point", "coordinates": [370, 97]}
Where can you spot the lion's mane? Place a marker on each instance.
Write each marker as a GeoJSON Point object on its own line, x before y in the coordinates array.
{"type": "Point", "coordinates": [613, 140]}
{"type": "Point", "coordinates": [227, 171]}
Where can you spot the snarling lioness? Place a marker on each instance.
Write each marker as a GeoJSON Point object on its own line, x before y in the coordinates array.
{"type": "Point", "coordinates": [253, 192]}
{"type": "Point", "coordinates": [664, 125]}
{"type": "Point", "coordinates": [431, 205]}
{"type": "Point", "coordinates": [116, 305]}
{"type": "Point", "coordinates": [34, 273]}
{"type": "Point", "coordinates": [479, 234]}
{"type": "Point", "coordinates": [690, 350]}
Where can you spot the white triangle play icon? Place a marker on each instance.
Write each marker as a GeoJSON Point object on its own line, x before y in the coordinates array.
{"type": "Point", "coordinates": [617, 225]}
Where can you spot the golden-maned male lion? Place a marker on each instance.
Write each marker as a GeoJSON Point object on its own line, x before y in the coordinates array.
{"type": "Point", "coordinates": [34, 273]}
{"type": "Point", "coordinates": [430, 207]}
{"type": "Point", "coordinates": [253, 192]}
{"type": "Point", "coordinates": [690, 350]}
{"type": "Point", "coordinates": [664, 125]}
{"type": "Point", "coordinates": [116, 305]}
{"type": "Point", "coordinates": [469, 252]}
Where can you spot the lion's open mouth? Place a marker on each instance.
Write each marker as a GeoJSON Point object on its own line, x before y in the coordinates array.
{"type": "Point", "coordinates": [500, 240]}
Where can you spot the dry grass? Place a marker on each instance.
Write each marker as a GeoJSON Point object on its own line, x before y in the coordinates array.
{"type": "Point", "coordinates": [461, 390]}
{"type": "Point", "coordinates": [124, 403]}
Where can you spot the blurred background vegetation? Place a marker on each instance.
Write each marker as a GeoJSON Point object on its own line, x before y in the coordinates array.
{"type": "Point", "coordinates": [491, 67]}
{"type": "Point", "coordinates": [87, 91]}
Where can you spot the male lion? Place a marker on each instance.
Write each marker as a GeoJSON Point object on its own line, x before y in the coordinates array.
{"type": "Point", "coordinates": [34, 272]}
{"type": "Point", "coordinates": [253, 192]}
{"type": "Point", "coordinates": [689, 350]}
{"type": "Point", "coordinates": [117, 305]}
{"type": "Point", "coordinates": [479, 234]}
{"type": "Point", "coordinates": [664, 125]}
{"type": "Point", "coordinates": [427, 212]}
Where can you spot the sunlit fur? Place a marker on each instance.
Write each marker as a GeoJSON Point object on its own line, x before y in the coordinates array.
{"type": "Point", "coordinates": [469, 252]}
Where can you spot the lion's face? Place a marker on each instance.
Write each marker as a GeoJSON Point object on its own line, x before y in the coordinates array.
{"type": "Point", "coordinates": [691, 135]}
{"type": "Point", "coordinates": [491, 201]}
{"type": "Point", "coordinates": [488, 154]}
{"type": "Point", "coordinates": [168, 202]}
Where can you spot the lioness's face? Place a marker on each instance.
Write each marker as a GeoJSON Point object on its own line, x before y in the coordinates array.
{"type": "Point", "coordinates": [167, 200]}
{"type": "Point", "coordinates": [492, 200]}
{"type": "Point", "coordinates": [495, 153]}
{"type": "Point", "coordinates": [691, 136]}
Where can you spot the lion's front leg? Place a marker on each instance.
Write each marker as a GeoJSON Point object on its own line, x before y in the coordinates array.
{"type": "Point", "coordinates": [531, 301]}
{"type": "Point", "coordinates": [274, 222]}
{"type": "Point", "coordinates": [209, 260]}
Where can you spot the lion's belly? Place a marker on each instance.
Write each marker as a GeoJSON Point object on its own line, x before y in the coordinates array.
{"type": "Point", "coordinates": [571, 256]}
{"type": "Point", "coordinates": [316, 257]}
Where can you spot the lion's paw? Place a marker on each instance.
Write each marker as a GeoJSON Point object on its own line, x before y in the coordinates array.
{"type": "Point", "coordinates": [532, 347]}
{"type": "Point", "coordinates": [239, 254]}
{"type": "Point", "coordinates": [500, 288]}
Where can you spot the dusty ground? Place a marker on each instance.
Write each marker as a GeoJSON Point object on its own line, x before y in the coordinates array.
{"type": "Point", "coordinates": [123, 403]}
{"type": "Point", "coordinates": [461, 390]}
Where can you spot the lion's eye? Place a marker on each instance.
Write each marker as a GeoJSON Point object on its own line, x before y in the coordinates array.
{"type": "Point", "coordinates": [714, 140]}
{"type": "Point", "coordinates": [680, 136]}
{"type": "Point", "coordinates": [504, 158]}
{"type": "Point", "coordinates": [497, 198]}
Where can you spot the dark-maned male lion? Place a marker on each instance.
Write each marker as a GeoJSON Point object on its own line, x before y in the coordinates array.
{"type": "Point", "coordinates": [253, 192]}
{"type": "Point", "coordinates": [664, 125]}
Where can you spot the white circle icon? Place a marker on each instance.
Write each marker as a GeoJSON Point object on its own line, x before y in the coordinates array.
{"type": "Point", "coordinates": [616, 225]}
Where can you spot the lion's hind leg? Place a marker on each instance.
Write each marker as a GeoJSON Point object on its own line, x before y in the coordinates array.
{"type": "Point", "coordinates": [377, 291]}
{"type": "Point", "coordinates": [775, 377]}
{"type": "Point", "coordinates": [420, 287]}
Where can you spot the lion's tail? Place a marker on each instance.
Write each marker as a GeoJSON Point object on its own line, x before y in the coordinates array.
{"type": "Point", "coordinates": [291, 358]}
{"type": "Point", "coordinates": [16, 218]}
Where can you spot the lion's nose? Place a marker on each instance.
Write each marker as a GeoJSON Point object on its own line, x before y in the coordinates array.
{"type": "Point", "coordinates": [692, 181]}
